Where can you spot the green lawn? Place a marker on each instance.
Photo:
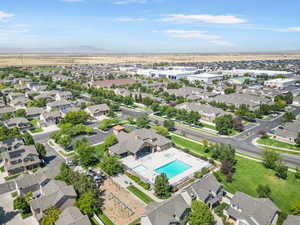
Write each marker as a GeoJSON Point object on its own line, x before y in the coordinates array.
{"type": "Point", "coordinates": [99, 149]}
{"type": "Point", "coordinates": [37, 130]}
{"type": "Point", "coordinates": [280, 151]}
{"type": "Point", "coordinates": [34, 122]}
{"type": "Point", "coordinates": [208, 126]}
{"type": "Point", "coordinates": [192, 146]}
{"type": "Point", "coordinates": [280, 144]}
{"type": "Point", "coordinates": [105, 219]}
{"type": "Point", "coordinates": [249, 174]}
{"type": "Point", "coordinates": [141, 195]}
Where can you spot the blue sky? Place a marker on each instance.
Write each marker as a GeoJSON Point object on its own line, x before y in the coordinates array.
{"type": "Point", "coordinates": [151, 25]}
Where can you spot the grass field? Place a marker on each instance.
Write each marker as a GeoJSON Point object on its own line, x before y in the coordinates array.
{"type": "Point", "coordinates": [105, 219]}
{"type": "Point", "coordinates": [280, 144]}
{"type": "Point", "coordinates": [249, 174]}
{"type": "Point", "coordinates": [191, 145]}
{"type": "Point", "coordinates": [141, 195]}
{"type": "Point", "coordinates": [37, 130]}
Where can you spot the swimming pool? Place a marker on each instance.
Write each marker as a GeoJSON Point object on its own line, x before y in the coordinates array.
{"type": "Point", "coordinates": [173, 168]}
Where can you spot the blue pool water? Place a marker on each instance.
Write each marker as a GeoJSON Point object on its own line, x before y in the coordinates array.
{"type": "Point", "coordinates": [173, 168]}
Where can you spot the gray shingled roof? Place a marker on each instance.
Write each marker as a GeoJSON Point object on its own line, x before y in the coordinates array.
{"type": "Point", "coordinates": [72, 216]}
{"type": "Point", "coordinates": [261, 210]}
{"type": "Point", "coordinates": [164, 212]}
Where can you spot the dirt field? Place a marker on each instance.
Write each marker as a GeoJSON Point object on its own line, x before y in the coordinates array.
{"type": "Point", "coordinates": [120, 205]}
{"type": "Point", "coordinates": [44, 59]}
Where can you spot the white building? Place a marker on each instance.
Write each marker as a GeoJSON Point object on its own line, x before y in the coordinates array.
{"type": "Point", "coordinates": [171, 74]}
{"type": "Point", "coordinates": [242, 72]}
{"type": "Point", "coordinates": [205, 77]}
{"type": "Point", "coordinates": [279, 83]}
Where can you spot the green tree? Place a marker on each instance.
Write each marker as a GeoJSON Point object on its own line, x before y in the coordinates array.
{"type": "Point", "coordinates": [87, 203]}
{"type": "Point", "coordinates": [40, 148]}
{"type": "Point", "coordinates": [281, 170]}
{"type": "Point", "coordinates": [51, 216]}
{"type": "Point", "coordinates": [295, 208]}
{"type": "Point", "coordinates": [85, 153]}
{"type": "Point", "coordinates": [22, 205]}
{"type": "Point", "coordinates": [270, 159]}
{"type": "Point", "coordinates": [76, 117]}
{"type": "Point", "coordinates": [169, 124]}
{"type": "Point", "coordinates": [110, 140]}
{"type": "Point", "coordinates": [105, 124]}
{"type": "Point", "coordinates": [28, 140]}
{"type": "Point", "coordinates": [263, 191]}
{"type": "Point", "coordinates": [200, 214]}
{"type": "Point", "coordinates": [161, 130]}
{"type": "Point", "coordinates": [297, 173]}
{"type": "Point", "coordinates": [297, 140]}
{"type": "Point", "coordinates": [288, 117]}
{"type": "Point", "coordinates": [111, 165]}
{"type": "Point", "coordinates": [20, 113]}
{"type": "Point", "coordinates": [224, 124]}
{"type": "Point", "coordinates": [162, 186]}
{"type": "Point", "coordinates": [142, 121]}
{"type": "Point", "coordinates": [6, 116]}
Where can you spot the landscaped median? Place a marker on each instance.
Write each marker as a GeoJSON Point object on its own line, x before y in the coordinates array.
{"type": "Point", "coordinates": [138, 193]}
{"type": "Point", "coordinates": [275, 143]}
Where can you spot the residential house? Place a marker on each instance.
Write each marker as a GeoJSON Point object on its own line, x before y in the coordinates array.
{"type": "Point", "coordinates": [296, 101]}
{"type": "Point", "coordinates": [237, 99]}
{"type": "Point", "coordinates": [11, 144]}
{"type": "Point", "coordinates": [52, 193]}
{"type": "Point", "coordinates": [139, 143]}
{"type": "Point", "coordinates": [70, 109]}
{"type": "Point", "coordinates": [109, 83]}
{"type": "Point", "coordinates": [72, 216]}
{"type": "Point", "coordinates": [50, 118]}
{"type": "Point", "coordinates": [13, 95]}
{"type": "Point", "coordinates": [207, 112]}
{"type": "Point", "coordinates": [33, 112]}
{"type": "Point", "coordinates": [63, 95]}
{"type": "Point", "coordinates": [19, 102]}
{"type": "Point", "coordinates": [20, 122]}
{"type": "Point", "coordinates": [247, 210]}
{"type": "Point", "coordinates": [38, 88]}
{"type": "Point", "coordinates": [7, 110]}
{"type": "Point", "coordinates": [207, 190]}
{"type": "Point", "coordinates": [21, 159]}
{"type": "Point", "coordinates": [287, 132]}
{"type": "Point", "coordinates": [31, 182]}
{"type": "Point", "coordinates": [58, 105]}
{"type": "Point", "coordinates": [97, 110]}
{"type": "Point", "coordinates": [173, 211]}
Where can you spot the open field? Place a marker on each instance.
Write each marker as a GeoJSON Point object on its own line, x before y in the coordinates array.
{"type": "Point", "coordinates": [64, 59]}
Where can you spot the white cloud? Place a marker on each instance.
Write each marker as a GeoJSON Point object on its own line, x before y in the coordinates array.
{"type": "Point", "coordinates": [130, 19]}
{"type": "Point", "coordinates": [293, 29]}
{"type": "Point", "coordinates": [196, 34]}
{"type": "Point", "coordinates": [125, 2]}
{"type": "Point", "coordinates": [203, 18]}
{"type": "Point", "coordinates": [4, 15]}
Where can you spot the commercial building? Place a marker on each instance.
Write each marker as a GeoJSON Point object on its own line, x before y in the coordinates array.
{"type": "Point", "coordinates": [173, 74]}
{"type": "Point", "coordinates": [279, 83]}
{"type": "Point", "coordinates": [242, 72]}
{"type": "Point", "coordinates": [205, 77]}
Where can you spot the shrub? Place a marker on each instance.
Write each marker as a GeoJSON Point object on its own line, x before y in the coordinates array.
{"type": "Point", "coordinates": [137, 180]}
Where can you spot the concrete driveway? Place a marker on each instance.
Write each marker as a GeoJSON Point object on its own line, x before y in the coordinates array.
{"type": "Point", "coordinates": [9, 216]}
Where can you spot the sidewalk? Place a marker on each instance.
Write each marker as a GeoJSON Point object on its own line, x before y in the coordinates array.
{"type": "Point", "coordinates": [125, 181]}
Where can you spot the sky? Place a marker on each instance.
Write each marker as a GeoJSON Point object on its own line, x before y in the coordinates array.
{"type": "Point", "coordinates": [150, 26]}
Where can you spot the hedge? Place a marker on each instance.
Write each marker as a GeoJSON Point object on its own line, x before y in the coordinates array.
{"type": "Point", "coordinates": [137, 180]}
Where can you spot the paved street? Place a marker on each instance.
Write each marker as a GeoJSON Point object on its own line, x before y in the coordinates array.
{"type": "Point", "coordinates": [243, 146]}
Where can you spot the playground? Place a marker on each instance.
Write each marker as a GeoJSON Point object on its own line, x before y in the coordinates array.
{"type": "Point", "coordinates": [120, 205]}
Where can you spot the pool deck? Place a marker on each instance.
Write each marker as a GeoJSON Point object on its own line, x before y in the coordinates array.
{"type": "Point", "coordinates": [145, 167]}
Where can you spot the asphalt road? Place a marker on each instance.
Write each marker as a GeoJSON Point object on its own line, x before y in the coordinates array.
{"type": "Point", "coordinates": [243, 146]}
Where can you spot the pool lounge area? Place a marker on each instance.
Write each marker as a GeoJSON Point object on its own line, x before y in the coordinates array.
{"type": "Point", "coordinates": [176, 164]}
